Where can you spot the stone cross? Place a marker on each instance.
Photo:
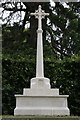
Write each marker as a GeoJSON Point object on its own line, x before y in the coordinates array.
{"type": "Point", "coordinates": [40, 99]}
{"type": "Point", "coordinates": [39, 14]}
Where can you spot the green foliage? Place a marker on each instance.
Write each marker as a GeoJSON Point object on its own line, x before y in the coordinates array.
{"type": "Point", "coordinates": [63, 74]}
{"type": "Point", "coordinates": [19, 57]}
{"type": "Point", "coordinates": [16, 76]}
{"type": "Point", "coordinates": [63, 28]}
{"type": "Point", "coordinates": [66, 36]}
{"type": "Point", "coordinates": [14, 40]}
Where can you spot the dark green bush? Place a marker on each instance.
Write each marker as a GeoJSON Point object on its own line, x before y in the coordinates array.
{"type": "Point", "coordinates": [64, 75]}
{"type": "Point", "coordinates": [16, 76]}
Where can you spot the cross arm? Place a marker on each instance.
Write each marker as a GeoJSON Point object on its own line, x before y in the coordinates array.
{"type": "Point", "coordinates": [44, 14]}
{"type": "Point", "coordinates": [34, 14]}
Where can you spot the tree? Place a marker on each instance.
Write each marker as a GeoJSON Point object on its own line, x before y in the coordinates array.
{"type": "Point", "coordinates": [33, 23]}
{"type": "Point", "coordinates": [62, 39]}
{"type": "Point", "coordinates": [62, 29]}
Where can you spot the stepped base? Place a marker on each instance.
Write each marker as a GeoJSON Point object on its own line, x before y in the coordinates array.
{"type": "Point", "coordinates": [40, 92]}
{"type": "Point", "coordinates": [40, 99]}
{"type": "Point", "coordinates": [41, 102]}
{"type": "Point", "coordinates": [40, 82]}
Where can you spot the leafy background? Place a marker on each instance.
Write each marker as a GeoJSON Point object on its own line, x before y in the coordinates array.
{"type": "Point", "coordinates": [61, 38]}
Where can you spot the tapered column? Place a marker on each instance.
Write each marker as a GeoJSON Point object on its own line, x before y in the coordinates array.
{"type": "Point", "coordinates": [39, 14]}
{"type": "Point", "coordinates": [39, 64]}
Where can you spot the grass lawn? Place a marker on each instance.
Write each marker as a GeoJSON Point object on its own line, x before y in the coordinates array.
{"type": "Point", "coordinates": [41, 117]}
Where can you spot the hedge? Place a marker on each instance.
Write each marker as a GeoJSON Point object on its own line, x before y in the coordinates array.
{"type": "Point", "coordinates": [64, 75]}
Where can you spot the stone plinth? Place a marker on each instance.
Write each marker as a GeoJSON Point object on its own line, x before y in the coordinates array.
{"type": "Point", "coordinates": [41, 102]}
{"type": "Point", "coordinates": [40, 99]}
{"type": "Point", "coordinates": [40, 92]}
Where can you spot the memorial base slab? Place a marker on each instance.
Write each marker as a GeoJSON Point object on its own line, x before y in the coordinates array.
{"type": "Point", "coordinates": [41, 105]}
{"type": "Point", "coordinates": [41, 102]}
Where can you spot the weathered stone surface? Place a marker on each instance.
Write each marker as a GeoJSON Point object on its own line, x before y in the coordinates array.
{"type": "Point", "coordinates": [41, 102]}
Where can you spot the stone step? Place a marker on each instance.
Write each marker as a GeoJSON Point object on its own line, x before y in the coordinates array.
{"type": "Point", "coordinates": [40, 92]}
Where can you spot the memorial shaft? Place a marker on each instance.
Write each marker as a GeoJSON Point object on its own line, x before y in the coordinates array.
{"type": "Point", "coordinates": [39, 14]}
